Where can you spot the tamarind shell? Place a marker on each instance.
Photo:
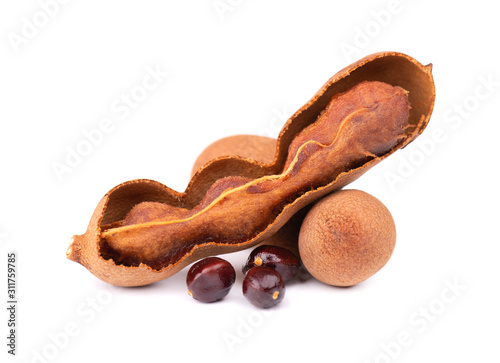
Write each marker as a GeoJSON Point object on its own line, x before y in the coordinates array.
{"type": "Point", "coordinates": [394, 68]}
{"type": "Point", "coordinates": [346, 237]}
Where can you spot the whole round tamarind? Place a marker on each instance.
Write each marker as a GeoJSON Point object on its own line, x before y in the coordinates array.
{"type": "Point", "coordinates": [346, 237]}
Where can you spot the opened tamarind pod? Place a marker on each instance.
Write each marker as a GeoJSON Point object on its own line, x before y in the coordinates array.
{"type": "Point", "coordinates": [143, 231]}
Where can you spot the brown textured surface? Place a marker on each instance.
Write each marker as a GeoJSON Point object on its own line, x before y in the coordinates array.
{"type": "Point", "coordinates": [358, 125]}
{"type": "Point", "coordinates": [261, 149]}
{"type": "Point", "coordinates": [257, 148]}
{"type": "Point", "coordinates": [346, 237]}
{"type": "Point", "coordinates": [393, 68]}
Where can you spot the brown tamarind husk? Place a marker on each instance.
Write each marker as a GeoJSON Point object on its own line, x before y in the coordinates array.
{"type": "Point", "coordinates": [188, 225]}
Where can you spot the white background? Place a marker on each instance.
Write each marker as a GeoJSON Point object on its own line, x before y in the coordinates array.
{"type": "Point", "coordinates": [231, 72]}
